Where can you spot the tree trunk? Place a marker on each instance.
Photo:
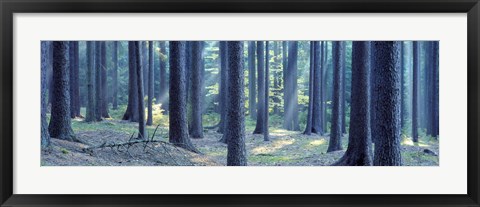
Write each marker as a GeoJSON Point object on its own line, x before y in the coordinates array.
{"type": "Point", "coordinates": [74, 85]}
{"type": "Point", "coordinates": [335, 142]}
{"type": "Point", "coordinates": [132, 113]}
{"type": "Point", "coordinates": [416, 72]}
{"type": "Point", "coordinates": [235, 129]}
{"type": "Point", "coordinates": [317, 124]}
{"type": "Point", "coordinates": [291, 93]}
{"type": "Point", "coordinates": [435, 93]}
{"type": "Point", "coordinates": [60, 122]}
{"type": "Point", "coordinates": [142, 133]}
{"type": "Point", "coordinates": [387, 66]}
{"type": "Point", "coordinates": [45, 136]}
{"type": "Point", "coordinates": [285, 84]}
{"type": "Point", "coordinates": [98, 81]}
{"type": "Point", "coordinates": [267, 80]}
{"type": "Point", "coordinates": [196, 79]}
{"type": "Point", "coordinates": [178, 128]}
{"type": "Point", "coordinates": [308, 128]}
{"type": "Point", "coordinates": [115, 75]}
{"type": "Point", "coordinates": [223, 86]}
{"type": "Point", "coordinates": [150, 83]}
{"type": "Point", "coordinates": [324, 87]}
{"type": "Point", "coordinates": [344, 83]}
{"type": "Point", "coordinates": [90, 116]}
{"type": "Point", "coordinates": [104, 100]}
{"type": "Point", "coordinates": [358, 151]}
{"type": "Point", "coordinates": [261, 87]}
{"type": "Point", "coordinates": [252, 96]}
{"type": "Point", "coordinates": [163, 77]}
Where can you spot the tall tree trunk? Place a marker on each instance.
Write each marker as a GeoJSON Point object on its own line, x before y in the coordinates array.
{"type": "Point", "coordinates": [387, 65]}
{"type": "Point", "coordinates": [261, 88]}
{"type": "Point", "coordinates": [142, 133]}
{"type": "Point", "coordinates": [104, 100]}
{"type": "Point", "coordinates": [74, 82]}
{"type": "Point", "coordinates": [178, 128]}
{"type": "Point", "coordinates": [317, 119]}
{"type": "Point", "coordinates": [267, 80]}
{"type": "Point", "coordinates": [308, 128]}
{"type": "Point", "coordinates": [115, 75]}
{"type": "Point", "coordinates": [324, 85]}
{"type": "Point", "coordinates": [90, 116]}
{"type": "Point", "coordinates": [416, 73]}
{"type": "Point", "coordinates": [223, 86]}
{"type": "Point", "coordinates": [150, 83]}
{"type": "Point", "coordinates": [60, 122]}
{"type": "Point", "coordinates": [434, 89]}
{"type": "Point", "coordinates": [291, 114]}
{"type": "Point", "coordinates": [252, 95]}
{"type": "Point", "coordinates": [276, 79]}
{"type": "Point", "coordinates": [196, 79]}
{"type": "Point", "coordinates": [132, 113]}
{"type": "Point", "coordinates": [402, 100]}
{"type": "Point", "coordinates": [74, 85]}
{"type": "Point", "coordinates": [358, 151]}
{"type": "Point", "coordinates": [163, 77]}
{"type": "Point", "coordinates": [285, 82]}
{"type": "Point", "coordinates": [435, 93]}
{"type": "Point", "coordinates": [335, 142]}
{"type": "Point", "coordinates": [45, 136]}
{"type": "Point", "coordinates": [98, 81]}
{"type": "Point", "coordinates": [344, 83]}
{"type": "Point", "coordinates": [144, 56]}
{"type": "Point", "coordinates": [235, 129]}
{"type": "Point", "coordinates": [427, 89]}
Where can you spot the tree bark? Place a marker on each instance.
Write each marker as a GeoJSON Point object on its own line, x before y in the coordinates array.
{"type": "Point", "coordinates": [223, 86]}
{"type": "Point", "coordinates": [196, 79]}
{"type": "Point", "coordinates": [150, 83]}
{"type": "Point", "coordinates": [104, 99]}
{"type": "Point", "coordinates": [60, 122]}
{"type": "Point", "coordinates": [261, 88]}
{"type": "Point", "coordinates": [387, 65]}
{"type": "Point", "coordinates": [235, 129]}
{"type": "Point", "coordinates": [308, 128]}
{"type": "Point", "coordinates": [178, 128]}
{"type": "Point", "coordinates": [132, 113]}
{"type": "Point", "coordinates": [45, 136]}
{"type": "Point", "coordinates": [416, 72]}
{"type": "Point", "coordinates": [142, 133]}
{"type": "Point", "coordinates": [358, 151]}
{"type": "Point", "coordinates": [115, 75]}
{"type": "Point", "coordinates": [267, 80]}
{"type": "Point", "coordinates": [98, 81]}
{"type": "Point", "coordinates": [335, 142]}
{"type": "Point", "coordinates": [90, 116]}
{"type": "Point", "coordinates": [252, 95]}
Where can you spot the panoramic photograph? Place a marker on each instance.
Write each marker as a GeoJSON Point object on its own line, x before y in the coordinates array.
{"type": "Point", "coordinates": [239, 103]}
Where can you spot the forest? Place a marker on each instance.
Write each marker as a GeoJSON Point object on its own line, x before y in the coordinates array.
{"type": "Point", "coordinates": [239, 103]}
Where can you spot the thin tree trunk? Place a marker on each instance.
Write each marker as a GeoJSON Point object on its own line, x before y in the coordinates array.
{"type": "Point", "coordinates": [45, 136]}
{"type": "Point", "coordinates": [267, 80]}
{"type": "Point", "coordinates": [142, 133]}
{"type": "Point", "coordinates": [335, 142]}
{"type": "Point", "coordinates": [251, 80]}
{"type": "Point", "coordinates": [150, 84]}
{"type": "Point", "coordinates": [115, 75]}
{"type": "Point", "coordinates": [415, 91]}
{"type": "Point", "coordinates": [261, 87]}
{"type": "Point", "coordinates": [196, 79]}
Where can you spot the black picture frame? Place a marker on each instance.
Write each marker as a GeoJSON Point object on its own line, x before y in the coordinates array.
{"type": "Point", "coordinates": [9, 7]}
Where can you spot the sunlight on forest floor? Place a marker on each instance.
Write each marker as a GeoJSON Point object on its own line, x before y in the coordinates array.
{"type": "Point", "coordinates": [286, 148]}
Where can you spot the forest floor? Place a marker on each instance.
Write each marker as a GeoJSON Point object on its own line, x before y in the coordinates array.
{"type": "Point", "coordinates": [286, 148]}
